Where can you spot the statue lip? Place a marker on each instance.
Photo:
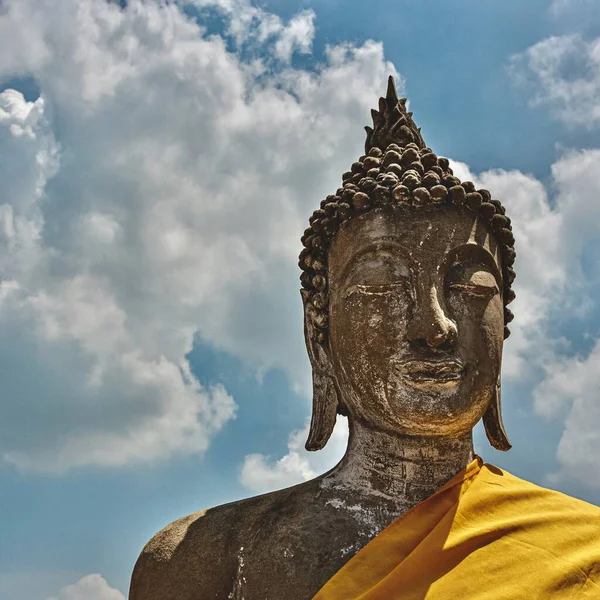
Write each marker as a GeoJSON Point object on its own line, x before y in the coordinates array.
{"type": "Point", "coordinates": [432, 371]}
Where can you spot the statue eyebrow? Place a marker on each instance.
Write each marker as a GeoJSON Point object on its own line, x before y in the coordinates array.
{"type": "Point", "coordinates": [472, 251]}
{"type": "Point", "coordinates": [381, 244]}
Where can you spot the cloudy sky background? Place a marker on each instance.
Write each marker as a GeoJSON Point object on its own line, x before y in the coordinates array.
{"type": "Point", "coordinates": [158, 163]}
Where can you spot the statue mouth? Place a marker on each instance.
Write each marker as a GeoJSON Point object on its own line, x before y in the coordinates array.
{"type": "Point", "coordinates": [427, 372]}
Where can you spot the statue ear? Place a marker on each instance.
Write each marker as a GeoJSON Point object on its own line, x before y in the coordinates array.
{"type": "Point", "coordinates": [492, 421]}
{"type": "Point", "coordinates": [325, 395]}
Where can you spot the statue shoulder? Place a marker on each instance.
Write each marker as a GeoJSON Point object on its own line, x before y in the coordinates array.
{"type": "Point", "coordinates": [199, 555]}
{"type": "Point", "coordinates": [164, 556]}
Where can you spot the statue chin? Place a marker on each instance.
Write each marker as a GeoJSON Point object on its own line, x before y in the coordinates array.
{"type": "Point", "coordinates": [429, 409]}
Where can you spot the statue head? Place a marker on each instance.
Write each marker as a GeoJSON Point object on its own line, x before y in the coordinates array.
{"type": "Point", "coordinates": [406, 278]}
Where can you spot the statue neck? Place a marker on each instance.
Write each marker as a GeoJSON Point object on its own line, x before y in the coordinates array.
{"type": "Point", "coordinates": [400, 468]}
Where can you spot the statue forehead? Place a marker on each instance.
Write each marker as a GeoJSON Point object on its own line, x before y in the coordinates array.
{"type": "Point", "coordinates": [426, 233]}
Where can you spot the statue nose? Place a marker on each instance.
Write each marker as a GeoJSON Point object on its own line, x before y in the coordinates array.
{"type": "Point", "coordinates": [430, 326]}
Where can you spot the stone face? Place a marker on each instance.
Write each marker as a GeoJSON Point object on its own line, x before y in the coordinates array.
{"type": "Point", "coordinates": [416, 319]}
{"type": "Point", "coordinates": [405, 287]}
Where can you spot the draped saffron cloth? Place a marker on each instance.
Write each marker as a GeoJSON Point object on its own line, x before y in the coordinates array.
{"type": "Point", "coordinates": [484, 535]}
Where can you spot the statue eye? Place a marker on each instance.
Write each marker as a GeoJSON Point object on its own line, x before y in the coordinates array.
{"type": "Point", "coordinates": [377, 273]}
{"type": "Point", "coordinates": [480, 291]}
{"type": "Point", "coordinates": [374, 290]}
{"type": "Point", "coordinates": [477, 282]}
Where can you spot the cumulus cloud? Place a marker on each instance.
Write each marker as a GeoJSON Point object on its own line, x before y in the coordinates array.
{"type": "Point", "coordinates": [250, 27]}
{"type": "Point", "coordinates": [90, 587]}
{"type": "Point", "coordinates": [153, 194]}
{"type": "Point", "coordinates": [262, 473]}
{"type": "Point", "coordinates": [562, 73]}
{"type": "Point", "coordinates": [570, 393]}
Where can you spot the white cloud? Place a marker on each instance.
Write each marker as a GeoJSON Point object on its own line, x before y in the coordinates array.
{"type": "Point", "coordinates": [250, 27]}
{"type": "Point", "coordinates": [155, 192]}
{"type": "Point", "coordinates": [578, 188]}
{"type": "Point", "coordinates": [90, 587]}
{"type": "Point", "coordinates": [297, 36]}
{"type": "Point", "coordinates": [570, 393]}
{"type": "Point", "coordinates": [563, 73]}
{"type": "Point", "coordinates": [262, 473]}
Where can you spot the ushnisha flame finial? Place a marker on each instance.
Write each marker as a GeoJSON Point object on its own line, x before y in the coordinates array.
{"type": "Point", "coordinates": [392, 123]}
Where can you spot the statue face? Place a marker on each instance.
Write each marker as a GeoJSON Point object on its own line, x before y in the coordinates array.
{"type": "Point", "coordinates": [416, 318]}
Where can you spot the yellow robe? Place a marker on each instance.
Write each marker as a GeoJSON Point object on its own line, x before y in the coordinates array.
{"type": "Point", "coordinates": [485, 535]}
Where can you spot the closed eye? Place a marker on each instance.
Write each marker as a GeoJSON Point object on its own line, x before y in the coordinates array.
{"type": "Point", "coordinates": [473, 289]}
{"type": "Point", "coordinates": [373, 290]}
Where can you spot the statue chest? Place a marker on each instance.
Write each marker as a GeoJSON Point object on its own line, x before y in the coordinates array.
{"type": "Point", "coordinates": [292, 570]}
{"type": "Point", "coordinates": [291, 558]}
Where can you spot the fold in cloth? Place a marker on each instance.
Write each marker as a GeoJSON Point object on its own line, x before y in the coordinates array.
{"type": "Point", "coordinates": [484, 535]}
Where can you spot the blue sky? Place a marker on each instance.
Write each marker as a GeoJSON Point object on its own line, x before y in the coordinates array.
{"type": "Point", "coordinates": [158, 163]}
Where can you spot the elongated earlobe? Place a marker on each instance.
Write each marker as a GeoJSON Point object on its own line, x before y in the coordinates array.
{"type": "Point", "coordinates": [325, 395]}
{"type": "Point", "coordinates": [324, 412]}
{"type": "Point", "coordinates": [492, 421]}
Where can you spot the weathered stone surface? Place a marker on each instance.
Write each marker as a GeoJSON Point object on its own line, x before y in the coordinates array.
{"type": "Point", "coordinates": [286, 544]}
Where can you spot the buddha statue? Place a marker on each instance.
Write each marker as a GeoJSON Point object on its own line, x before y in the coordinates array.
{"type": "Point", "coordinates": [406, 280]}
